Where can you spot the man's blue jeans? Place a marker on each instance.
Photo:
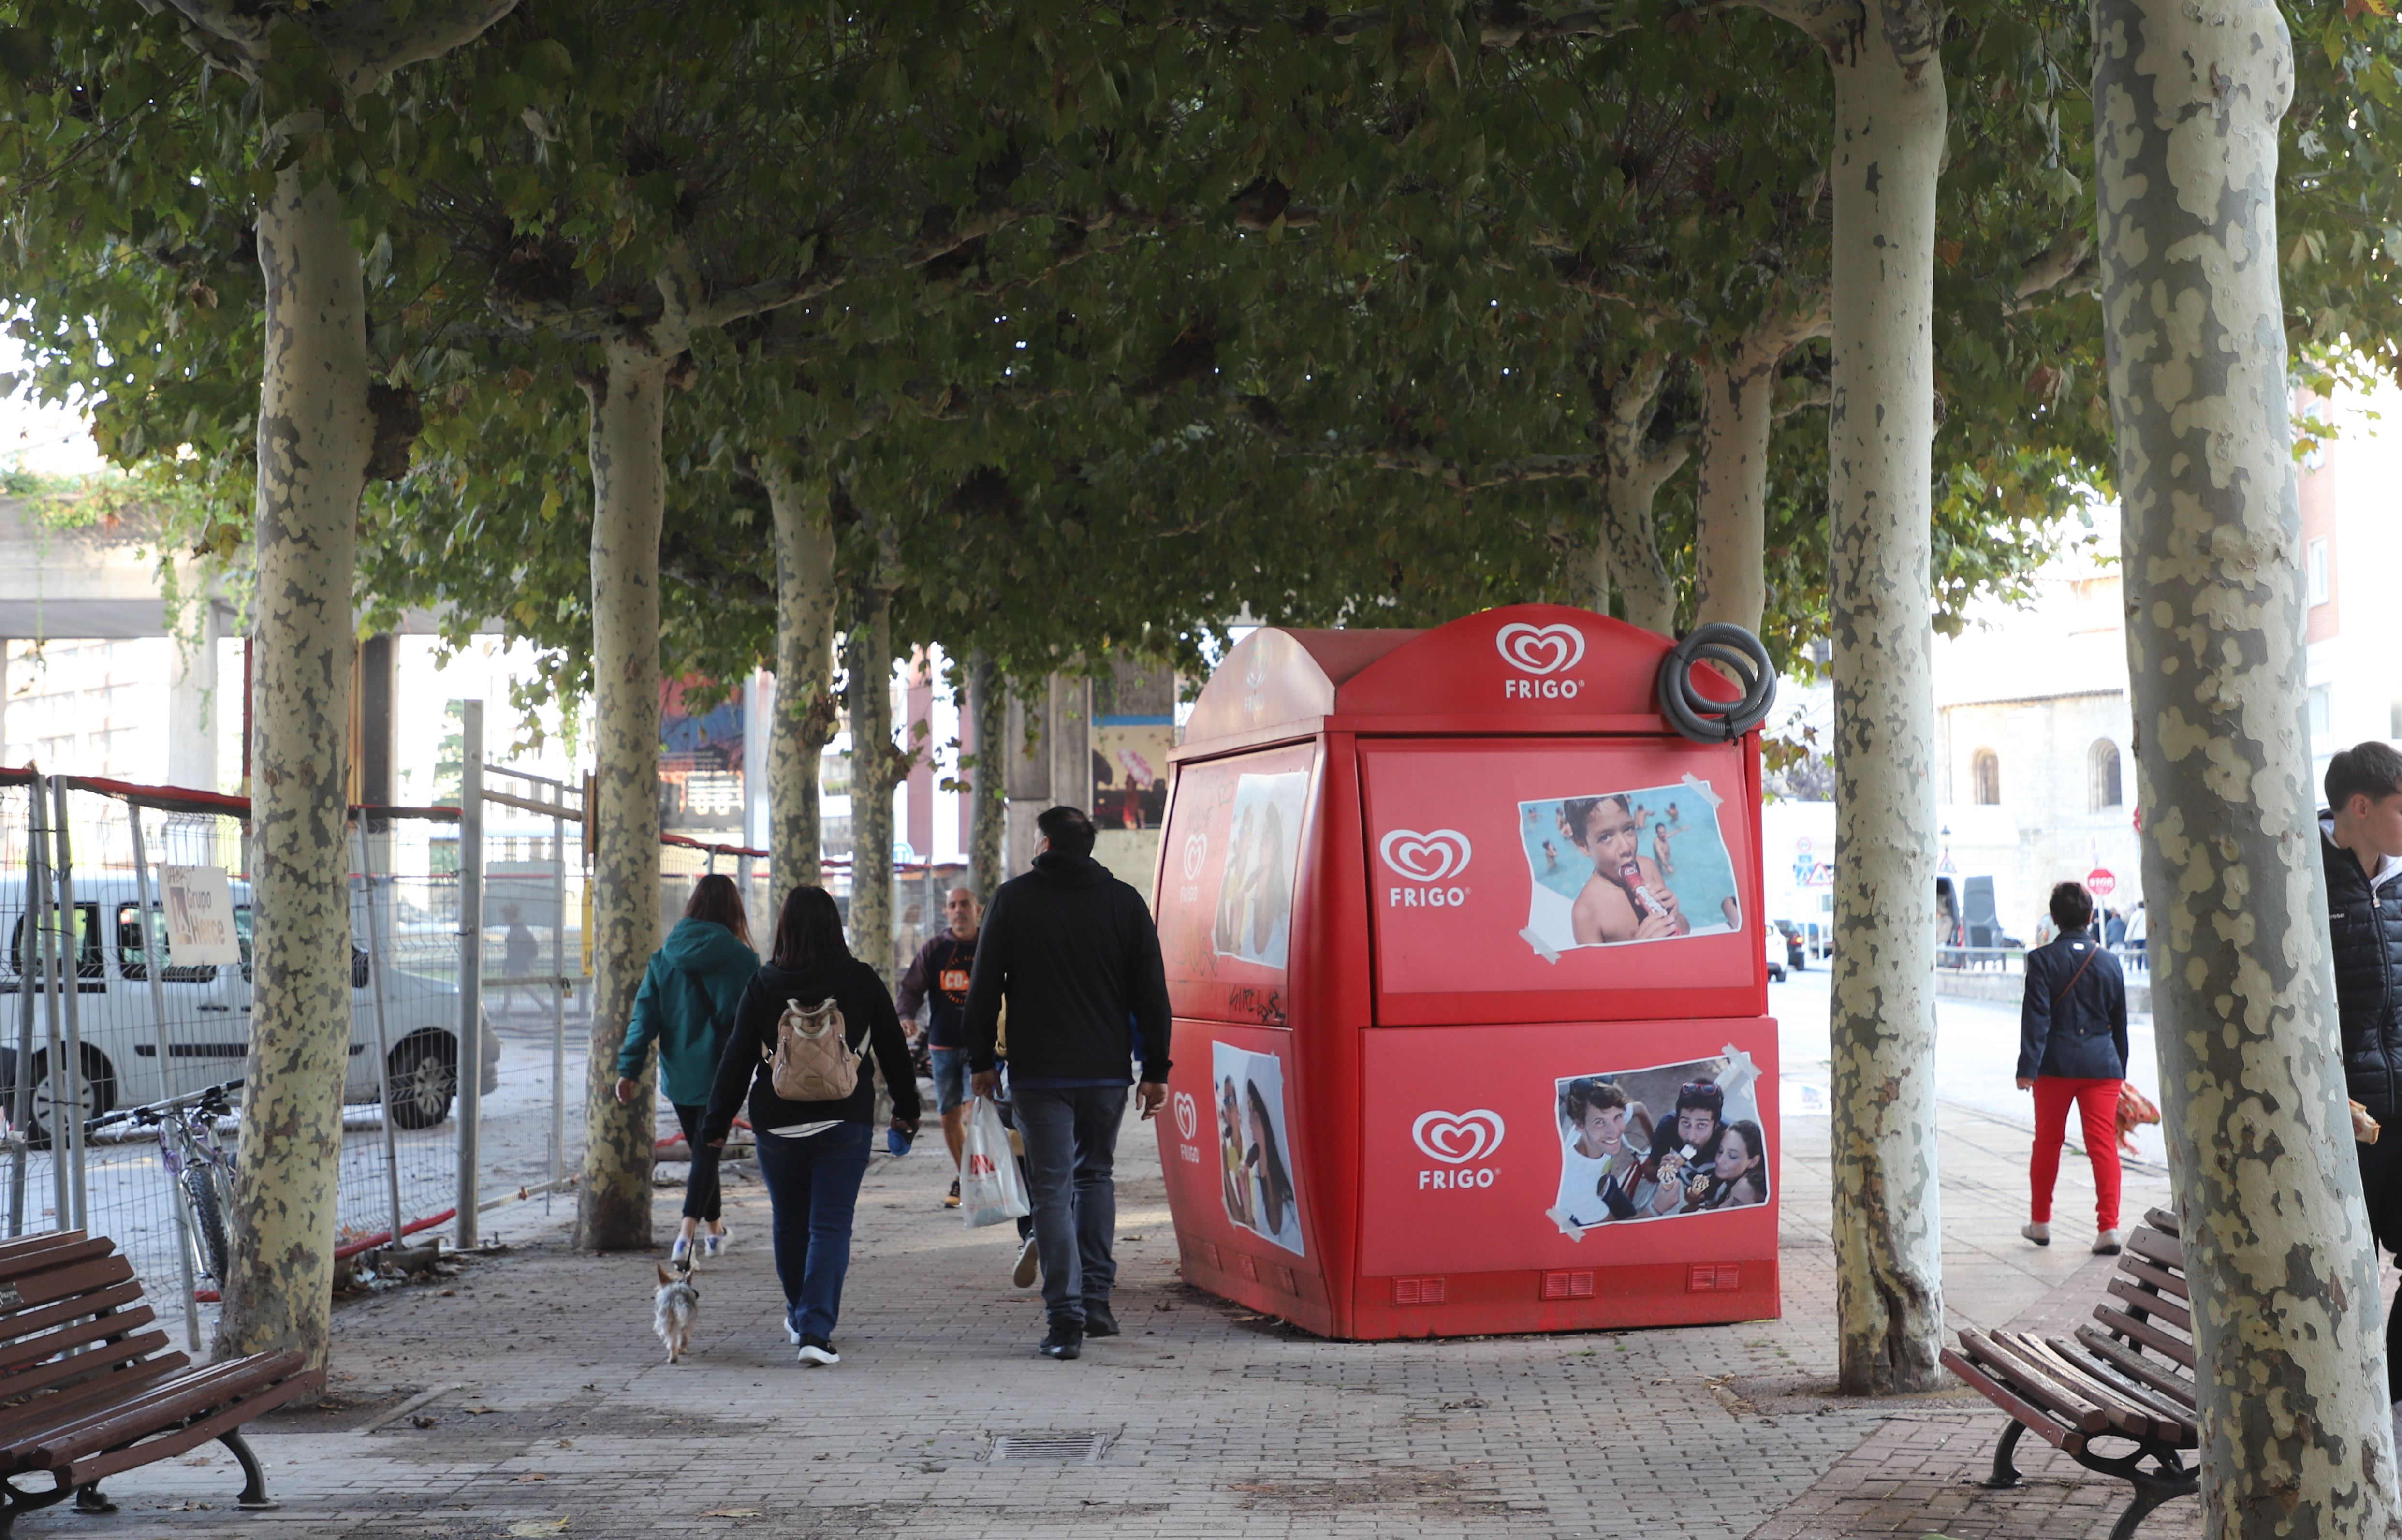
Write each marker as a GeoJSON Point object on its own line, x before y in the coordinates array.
{"type": "Point", "coordinates": [1072, 1139]}
{"type": "Point", "coordinates": [813, 1187]}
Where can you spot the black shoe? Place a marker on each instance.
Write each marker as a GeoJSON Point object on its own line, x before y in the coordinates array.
{"type": "Point", "coordinates": [1065, 1342]}
{"type": "Point", "coordinates": [1099, 1321]}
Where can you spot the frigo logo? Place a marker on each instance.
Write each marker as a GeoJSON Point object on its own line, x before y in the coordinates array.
{"type": "Point", "coordinates": [1188, 1113]}
{"type": "Point", "coordinates": [1429, 860]}
{"type": "Point", "coordinates": [1196, 850]}
{"type": "Point", "coordinates": [1543, 652]}
{"type": "Point", "coordinates": [1459, 1140]}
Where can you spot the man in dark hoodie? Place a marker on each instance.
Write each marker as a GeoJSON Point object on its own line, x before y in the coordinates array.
{"type": "Point", "coordinates": [1075, 953]}
{"type": "Point", "coordinates": [2360, 835]}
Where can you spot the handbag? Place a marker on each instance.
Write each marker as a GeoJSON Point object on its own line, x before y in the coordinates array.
{"type": "Point", "coordinates": [2135, 1110]}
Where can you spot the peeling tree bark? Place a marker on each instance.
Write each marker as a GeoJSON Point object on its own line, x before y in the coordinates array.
{"type": "Point", "coordinates": [1731, 524]}
{"type": "Point", "coordinates": [612, 1204]}
{"type": "Point", "coordinates": [1635, 470]}
{"type": "Point", "coordinates": [989, 779]}
{"type": "Point", "coordinates": [1889, 125]}
{"type": "Point", "coordinates": [314, 431]}
{"type": "Point", "coordinates": [867, 666]}
{"type": "Point", "coordinates": [804, 699]}
{"type": "Point", "coordinates": [2295, 1432]}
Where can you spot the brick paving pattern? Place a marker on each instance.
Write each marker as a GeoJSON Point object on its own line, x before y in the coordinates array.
{"type": "Point", "coordinates": [1210, 1420]}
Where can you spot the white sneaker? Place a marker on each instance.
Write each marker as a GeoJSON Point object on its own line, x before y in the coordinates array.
{"type": "Point", "coordinates": [812, 1354]}
{"type": "Point", "coordinates": [792, 1334]}
{"type": "Point", "coordinates": [1029, 1265]}
{"type": "Point", "coordinates": [2038, 1232]}
{"type": "Point", "coordinates": [713, 1246]}
{"type": "Point", "coordinates": [680, 1253]}
{"type": "Point", "coordinates": [2107, 1243]}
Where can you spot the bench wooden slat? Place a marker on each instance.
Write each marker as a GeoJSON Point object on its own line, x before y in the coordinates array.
{"type": "Point", "coordinates": [2162, 1220]}
{"type": "Point", "coordinates": [2151, 1371]}
{"type": "Point", "coordinates": [99, 1360]}
{"type": "Point", "coordinates": [2145, 1300]}
{"type": "Point", "coordinates": [162, 1405]}
{"type": "Point", "coordinates": [2032, 1381]}
{"type": "Point", "coordinates": [2128, 1414]}
{"type": "Point", "coordinates": [2170, 1284]}
{"type": "Point", "coordinates": [74, 1333]}
{"type": "Point", "coordinates": [167, 1445]}
{"type": "Point", "coordinates": [51, 1284]}
{"type": "Point", "coordinates": [2037, 1421]}
{"type": "Point", "coordinates": [2178, 1350]}
{"type": "Point", "coordinates": [56, 1406]}
{"type": "Point", "coordinates": [2151, 1244]}
{"type": "Point", "coordinates": [2173, 1410]}
{"type": "Point", "coordinates": [34, 1322]}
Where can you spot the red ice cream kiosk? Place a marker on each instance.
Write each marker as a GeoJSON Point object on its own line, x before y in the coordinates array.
{"type": "Point", "coordinates": [1465, 946]}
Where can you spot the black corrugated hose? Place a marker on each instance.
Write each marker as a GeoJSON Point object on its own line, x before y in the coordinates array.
{"type": "Point", "coordinates": [1695, 715]}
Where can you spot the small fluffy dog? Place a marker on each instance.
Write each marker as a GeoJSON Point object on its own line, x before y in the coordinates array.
{"type": "Point", "coordinates": [675, 1308]}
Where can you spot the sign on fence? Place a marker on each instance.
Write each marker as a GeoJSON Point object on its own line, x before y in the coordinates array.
{"type": "Point", "coordinates": [199, 916]}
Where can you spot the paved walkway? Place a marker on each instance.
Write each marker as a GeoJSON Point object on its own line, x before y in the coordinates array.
{"type": "Point", "coordinates": [551, 1412]}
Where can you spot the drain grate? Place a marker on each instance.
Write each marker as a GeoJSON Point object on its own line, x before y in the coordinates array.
{"type": "Point", "coordinates": [1051, 1446]}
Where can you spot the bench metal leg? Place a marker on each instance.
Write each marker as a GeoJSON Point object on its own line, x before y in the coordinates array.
{"type": "Point", "coordinates": [254, 1480]}
{"type": "Point", "coordinates": [15, 1500]}
{"type": "Point", "coordinates": [2152, 1488]}
{"type": "Point", "coordinates": [2006, 1469]}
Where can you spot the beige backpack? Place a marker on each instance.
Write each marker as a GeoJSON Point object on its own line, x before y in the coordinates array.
{"type": "Point", "coordinates": [813, 1060]}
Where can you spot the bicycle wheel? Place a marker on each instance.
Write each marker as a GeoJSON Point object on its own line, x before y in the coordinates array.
{"type": "Point", "coordinates": [209, 1185]}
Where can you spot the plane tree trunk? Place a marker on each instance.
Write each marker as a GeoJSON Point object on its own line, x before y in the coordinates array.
{"type": "Point", "coordinates": [805, 698]}
{"type": "Point", "coordinates": [2283, 1272]}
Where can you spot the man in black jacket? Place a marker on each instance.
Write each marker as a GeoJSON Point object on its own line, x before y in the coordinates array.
{"type": "Point", "coordinates": [1073, 951]}
{"type": "Point", "coordinates": [2073, 1049]}
{"type": "Point", "coordinates": [2360, 835]}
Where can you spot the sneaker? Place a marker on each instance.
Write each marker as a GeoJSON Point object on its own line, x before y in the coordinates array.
{"type": "Point", "coordinates": [2038, 1232]}
{"type": "Point", "coordinates": [792, 1334]}
{"type": "Point", "coordinates": [2107, 1243]}
{"type": "Point", "coordinates": [680, 1254]}
{"type": "Point", "coordinates": [817, 1354]}
{"type": "Point", "coordinates": [1063, 1343]}
{"type": "Point", "coordinates": [713, 1246]}
{"type": "Point", "coordinates": [1099, 1321]}
{"type": "Point", "coordinates": [952, 1202]}
{"type": "Point", "coordinates": [1029, 1265]}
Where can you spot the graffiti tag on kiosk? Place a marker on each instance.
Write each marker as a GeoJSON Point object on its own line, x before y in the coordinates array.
{"type": "Point", "coordinates": [1458, 1140]}
{"type": "Point", "coordinates": [1265, 1007]}
{"type": "Point", "coordinates": [1426, 860]}
{"type": "Point", "coordinates": [1540, 653]}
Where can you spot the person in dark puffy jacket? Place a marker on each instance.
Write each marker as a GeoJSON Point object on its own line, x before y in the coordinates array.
{"type": "Point", "coordinates": [2073, 1050]}
{"type": "Point", "coordinates": [2361, 839]}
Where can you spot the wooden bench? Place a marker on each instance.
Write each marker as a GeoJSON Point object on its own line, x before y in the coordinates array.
{"type": "Point", "coordinates": [2125, 1382]}
{"type": "Point", "coordinates": [89, 1386]}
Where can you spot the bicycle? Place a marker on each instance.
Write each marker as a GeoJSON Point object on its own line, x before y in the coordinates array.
{"type": "Point", "coordinates": [200, 1168]}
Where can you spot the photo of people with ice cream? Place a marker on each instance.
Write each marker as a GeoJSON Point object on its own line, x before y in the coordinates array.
{"type": "Point", "coordinates": [1622, 866]}
{"type": "Point", "coordinates": [1254, 1155]}
{"type": "Point", "coordinates": [1665, 1142]}
{"type": "Point", "coordinates": [1254, 916]}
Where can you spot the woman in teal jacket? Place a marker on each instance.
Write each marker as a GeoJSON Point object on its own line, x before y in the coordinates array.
{"type": "Point", "coordinates": [687, 1004]}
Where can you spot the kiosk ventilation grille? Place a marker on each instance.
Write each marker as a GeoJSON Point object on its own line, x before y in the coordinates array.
{"type": "Point", "coordinates": [1567, 1285]}
{"type": "Point", "coordinates": [1051, 1447]}
{"type": "Point", "coordinates": [1418, 1290]}
{"type": "Point", "coordinates": [1712, 1277]}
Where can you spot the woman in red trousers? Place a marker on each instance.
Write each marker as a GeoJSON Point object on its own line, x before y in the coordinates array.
{"type": "Point", "coordinates": [2073, 1052]}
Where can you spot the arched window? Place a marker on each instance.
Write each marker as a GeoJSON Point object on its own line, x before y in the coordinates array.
{"type": "Point", "coordinates": [2103, 790]}
{"type": "Point", "coordinates": [1985, 778]}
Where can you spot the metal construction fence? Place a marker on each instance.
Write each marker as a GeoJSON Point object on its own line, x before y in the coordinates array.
{"type": "Point", "coordinates": [471, 913]}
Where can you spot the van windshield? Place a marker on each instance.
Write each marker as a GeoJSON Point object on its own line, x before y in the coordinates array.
{"type": "Point", "coordinates": [90, 962]}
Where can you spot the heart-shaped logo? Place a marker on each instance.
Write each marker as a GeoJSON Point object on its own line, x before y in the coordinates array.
{"type": "Point", "coordinates": [1540, 649]}
{"type": "Point", "coordinates": [1426, 857]}
{"type": "Point", "coordinates": [1195, 850]}
{"type": "Point", "coordinates": [1188, 1116]}
{"type": "Point", "coordinates": [1455, 1138]}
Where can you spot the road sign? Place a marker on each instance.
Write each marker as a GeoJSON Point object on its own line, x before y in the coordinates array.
{"type": "Point", "coordinates": [2101, 883]}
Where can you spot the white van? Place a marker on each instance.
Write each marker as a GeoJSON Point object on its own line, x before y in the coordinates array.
{"type": "Point", "coordinates": [208, 1018]}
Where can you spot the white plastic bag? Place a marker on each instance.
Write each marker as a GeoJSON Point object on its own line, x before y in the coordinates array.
{"type": "Point", "coordinates": [990, 1189]}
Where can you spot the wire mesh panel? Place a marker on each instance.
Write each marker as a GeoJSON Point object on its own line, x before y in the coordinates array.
{"type": "Point", "coordinates": [534, 971]}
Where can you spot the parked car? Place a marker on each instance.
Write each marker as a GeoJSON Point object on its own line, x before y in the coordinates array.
{"type": "Point", "coordinates": [1797, 950]}
{"type": "Point", "coordinates": [208, 1011]}
{"type": "Point", "coordinates": [1776, 953]}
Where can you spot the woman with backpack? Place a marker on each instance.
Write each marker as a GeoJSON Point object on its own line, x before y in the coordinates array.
{"type": "Point", "coordinates": [686, 1005]}
{"type": "Point", "coordinates": [801, 1039]}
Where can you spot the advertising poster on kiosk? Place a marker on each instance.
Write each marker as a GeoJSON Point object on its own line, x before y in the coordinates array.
{"type": "Point", "coordinates": [1254, 915]}
{"type": "Point", "coordinates": [1664, 1142]}
{"type": "Point", "coordinates": [1256, 1158]}
{"type": "Point", "coordinates": [1230, 878]}
{"type": "Point", "coordinates": [1622, 867]}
